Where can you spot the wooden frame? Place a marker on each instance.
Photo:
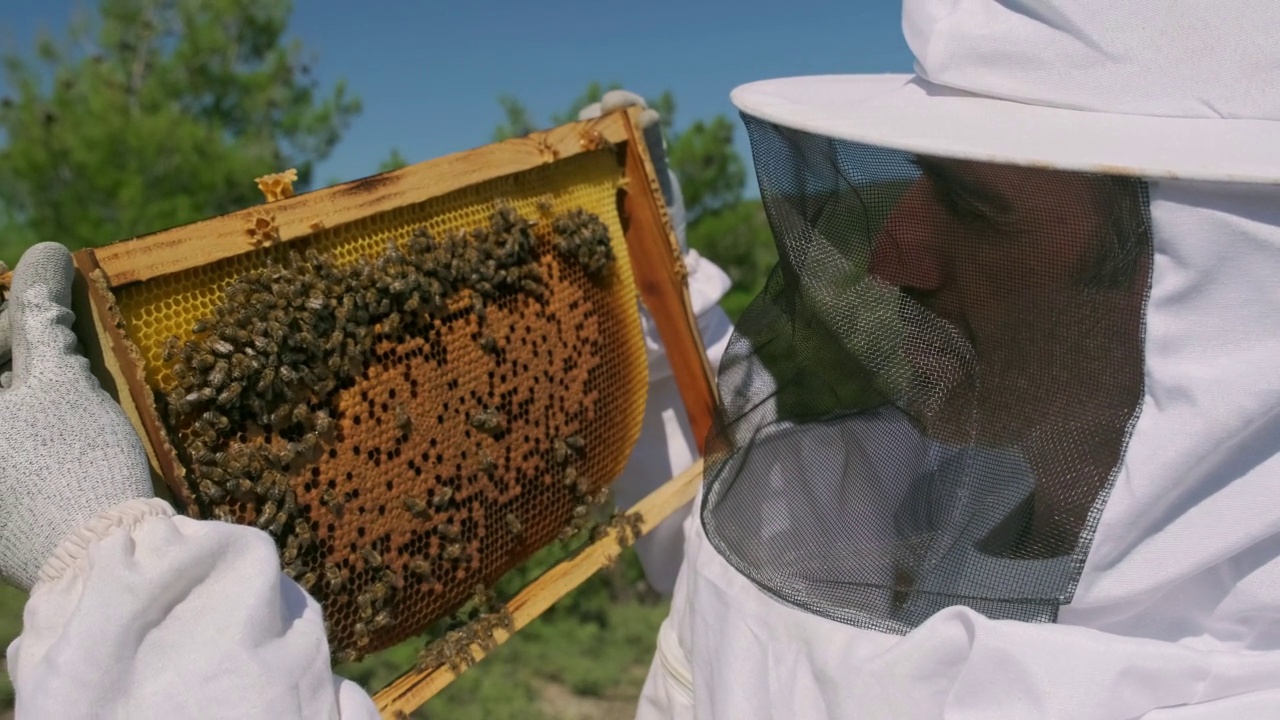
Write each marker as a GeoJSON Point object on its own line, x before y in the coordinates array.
{"type": "Point", "coordinates": [656, 263]}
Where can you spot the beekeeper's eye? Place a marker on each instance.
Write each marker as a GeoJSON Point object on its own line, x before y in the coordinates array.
{"type": "Point", "coordinates": [963, 198]}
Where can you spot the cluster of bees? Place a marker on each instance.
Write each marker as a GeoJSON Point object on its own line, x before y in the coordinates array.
{"type": "Point", "coordinates": [253, 404]}
{"type": "Point", "coordinates": [477, 628]}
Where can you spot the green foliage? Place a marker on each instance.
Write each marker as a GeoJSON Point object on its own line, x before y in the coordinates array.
{"type": "Point", "coordinates": [12, 601]}
{"type": "Point", "coordinates": [156, 113]}
{"type": "Point", "coordinates": [712, 173]}
{"type": "Point", "coordinates": [594, 92]}
{"type": "Point", "coordinates": [738, 239]}
{"type": "Point", "coordinates": [517, 123]}
{"type": "Point", "coordinates": [394, 161]}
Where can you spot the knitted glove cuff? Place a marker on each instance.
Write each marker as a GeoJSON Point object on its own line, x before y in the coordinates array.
{"type": "Point", "coordinates": [72, 554]}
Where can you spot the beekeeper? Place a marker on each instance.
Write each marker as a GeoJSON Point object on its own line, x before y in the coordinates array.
{"type": "Point", "coordinates": [1000, 438]}
{"type": "Point", "coordinates": [136, 611]}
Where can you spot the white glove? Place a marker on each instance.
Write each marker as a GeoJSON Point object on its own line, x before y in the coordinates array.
{"type": "Point", "coordinates": [657, 144]}
{"type": "Point", "coordinates": [69, 452]}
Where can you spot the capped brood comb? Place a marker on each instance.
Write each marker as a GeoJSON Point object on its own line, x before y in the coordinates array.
{"type": "Point", "coordinates": [412, 381]}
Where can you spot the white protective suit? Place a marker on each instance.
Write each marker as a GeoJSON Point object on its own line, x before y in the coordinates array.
{"type": "Point", "coordinates": [1176, 614]}
{"type": "Point", "coordinates": [144, 613]}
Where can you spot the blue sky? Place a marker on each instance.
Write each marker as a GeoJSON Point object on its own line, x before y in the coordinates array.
{"type": "Point", "coordinates": [429, 73]}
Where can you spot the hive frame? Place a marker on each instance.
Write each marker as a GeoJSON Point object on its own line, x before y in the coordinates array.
{"type": "Point", "coordinates": [656, 264]}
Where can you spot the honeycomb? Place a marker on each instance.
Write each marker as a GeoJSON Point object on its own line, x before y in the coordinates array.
{"type": "Point", "coordinates": [411, 404]}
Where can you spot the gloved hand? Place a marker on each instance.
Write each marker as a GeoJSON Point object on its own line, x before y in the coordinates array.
{"type": "Point", "coordinates": [650, 123]}
{"type": "Point", "coordinates": [69, 452]}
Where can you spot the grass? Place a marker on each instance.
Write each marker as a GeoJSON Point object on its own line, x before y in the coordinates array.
{"type": "Point", "coordinates": [11, 603]}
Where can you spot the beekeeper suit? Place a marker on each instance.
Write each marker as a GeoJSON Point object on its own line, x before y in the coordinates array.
{"type": "Point", "coordinates": [666, 446]}
{"type": "Point", "coordinates": [1001, 437]}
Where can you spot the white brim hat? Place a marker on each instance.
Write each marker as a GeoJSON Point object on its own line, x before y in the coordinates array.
{"type": "Point", "coordinates": [907, 112]}
{"type": "Point", "coordinates": [1180, 91]}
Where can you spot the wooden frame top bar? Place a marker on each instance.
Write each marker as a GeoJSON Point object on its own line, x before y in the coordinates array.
{"type": "Point", "coordinates": [169, 251]}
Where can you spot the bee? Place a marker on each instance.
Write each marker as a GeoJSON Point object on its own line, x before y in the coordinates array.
{"type": "Point", "coordinates": [277, 526]}
{"type": "Point", "coordinates": [314, 302]}
{"type": "Point", "coordinates": [382, 619]}
{"type": "Point", "coordinates": [199, 396]}
{"type": "Point", "coordinates": [201, 431]}
{"type": "Point", "coordinates": [346, 655]}
{"type": "Point", "coordinates": [276, 331]}
{"type": "Point", "coordinates": [332, 578]}
{"type": "Point", "coordinates": [212, 492]}
{"type": "Point", "coordinates": [559, 451]}
{"type": "Point", "coordinates": [309, 443]}
{"type": "Point", "coordinates": [570, 477]}
{"type": "Point", "coordinates": [265, 380]}
{"type": "Point", "coordinates": [453, 551]}
{"type": "Point", "coordinates": [300, 412]}
{"type": "Point", "coordinates": [490, 422]}
{"type": "Point", "coordinates": [415, 506]}
{"type": "Point", "coordinates": [449, 531]}
{"type": "Point", "coordinates": [290, 552]}
{"type": "Point", "coordinates": [434, 655]}
{"type": "Point", "coordinates": [171, 348]}
{"type": "Point", "coordinates": [371, 557]}
{"type": "Point", "coordinates": [241, 366]}
{"type": "Point", "coordinates": [420, 567]}
{"type": "Point", "coordinates": [514, 524]}
{"type": "Point", "coordinates": [265, 515]}
{"type": "Point", "coordinates": [489, 344]}
{"type": "Point", "coordinates": [215, 419]}
{"type": "Point", "coordinates": [223, 513]}
{"type": "Point", "coordinates": [211, 472]}
{"type": "Point", "coordinates": [302, 531]}
{"type": "Point", "coordinates": [219, 346]}
{"type": "Point", "coordinates": [403, 421]}
{"type": "Point", "coordinates": [575, 444]}
{"type": "Point", "coordinates": [230, 394]}
{"type": "Point", "coordinates": [361, 634]}
{"type": "Point", "coordinates": [288, 374]}
{"type": "Point", "coordinates": [323, 423]}
{"type": "Point", "coordinates": [335, 504]}
{"type": "Point", "coordinates": [203, 361]}
{"type": "Point", "coordinates": [201, 454]}
{"type": "Point", "coordinates": [218, 375]}
{"type": "Point", "coordinates": [487, 464]}
{"type": "Point", "coordinates": [290, 502]}
{"type": "Point", "coordinates": [391, 324]}
{"type": "Point", "coordinates": [180, 372]}
{"type": "Point", "coordinates": [280, 417]}
{"type": "Point", "coordinates": [442, 497]}
{"type": "Point", "coordinates": [200, 327]}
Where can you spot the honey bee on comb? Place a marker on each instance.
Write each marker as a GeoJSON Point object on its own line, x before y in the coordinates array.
{"type": "Point", "coordinates": [384, 415]}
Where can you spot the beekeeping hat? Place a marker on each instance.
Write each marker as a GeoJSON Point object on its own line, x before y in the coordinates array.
{"type": "Point", "coordinates": [1018, 352]}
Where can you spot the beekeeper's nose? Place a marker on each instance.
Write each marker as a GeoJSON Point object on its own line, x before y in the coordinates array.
{"type": "Point", "coordinates": [904, 251]}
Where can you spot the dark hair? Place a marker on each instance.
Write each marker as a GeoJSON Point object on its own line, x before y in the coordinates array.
{"type": "Point", "coordinates": [1123, 203]}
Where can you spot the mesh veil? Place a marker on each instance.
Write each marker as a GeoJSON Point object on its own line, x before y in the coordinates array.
{"type": "Point", "coordinates": [927, 403]}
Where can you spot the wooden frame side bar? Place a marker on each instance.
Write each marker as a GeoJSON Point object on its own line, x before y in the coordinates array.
{"type": "Point", "coordinates": [413, 689]}
{"type": "Point", "coordinates": [661, 278]}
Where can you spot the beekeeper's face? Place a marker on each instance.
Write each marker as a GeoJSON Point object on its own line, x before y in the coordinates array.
{"type": "Point", "coordinates": [1028, 266]}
